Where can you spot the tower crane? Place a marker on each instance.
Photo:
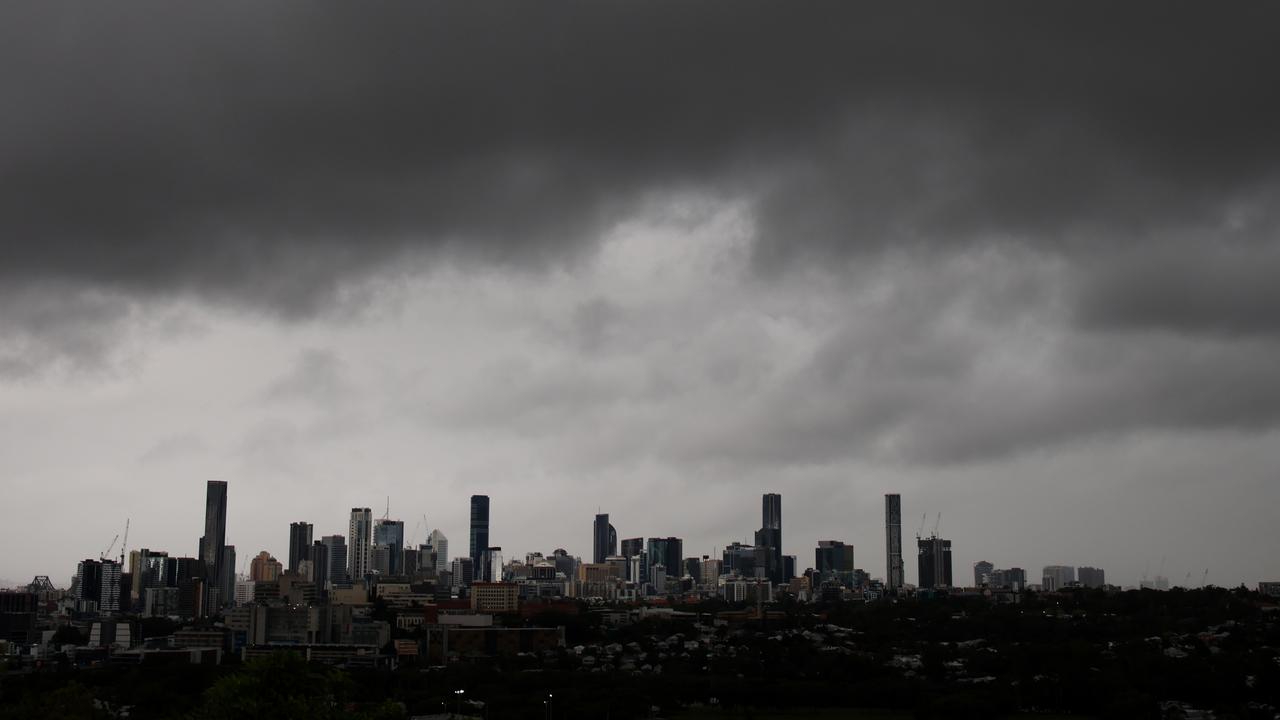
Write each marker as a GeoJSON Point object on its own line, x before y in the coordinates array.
{"type": "Point", "coordinates": [924, 517]}
{"type": "Point", "coordinates": [125, 543]}
{"type": "Point", "coordinates": [103, 555]}
{"type": "Point", "coordinates": [936, 523]}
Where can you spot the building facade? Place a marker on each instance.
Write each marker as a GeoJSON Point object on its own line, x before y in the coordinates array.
{"type": "Point", "coordinates": [894, 577]}
{"type": "Point", "coordinates": [360, 534]}
{"type": "Point", "coordinates": [479, 529]}
{"type": "Point", "coordinates": [299, 544]}
{"type": "Point", "coordinates": [934, 562]}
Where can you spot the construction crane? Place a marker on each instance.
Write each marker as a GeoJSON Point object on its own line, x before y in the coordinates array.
{"type": "Point", "coordinates": [103, 555]}
{"type": "Point", "coordinates": [124, 544]}
{"type": "Point", "coordinates": [924, 517]}
{"type": "Point", "coordinates": [935, 525]}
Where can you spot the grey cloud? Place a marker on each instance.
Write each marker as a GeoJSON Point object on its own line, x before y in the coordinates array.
{"type": "Point", "coordinates": [181, 446]}
{"type": "Point", "coordinates": [317, 377]}
{"type": "Point", "coordinates": [268, 154]}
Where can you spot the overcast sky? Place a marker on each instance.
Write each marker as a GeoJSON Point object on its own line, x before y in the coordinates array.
{"type": "Point", "coordinates": [1017, 262]}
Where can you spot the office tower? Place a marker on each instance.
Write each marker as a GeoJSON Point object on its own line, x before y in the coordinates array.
{"type": "Point", "coordinates": [893, 542]}
{"type": "Point", "coordinates": [319, 557]}
{"type": "Point", "coordinates": [211, 544]}
{"type": "Point", "coordinates": [109, 589]}
{"type": "Point", "coordinates": [390, 533]}
{"type": "Point", "coordinates": [667, 552]}
{"type": "Point", "coordinates": [491, 571]}
{"type": "Point", "coordinates": [693, 569]}
{"type": "Point", "coordinates": [833, 560]}
{"type": "Point", "coordinates": [440, 546]}
{"type": "Point", "coordinates": [604, 539]}
{"type": "Point", "coordinates": [982, 571]}
{"type": "Point", "coordinates": [336, 546]}
{"type": "Point", "coordinates": [87, 585]}
{"type": "Point", "coordinates": [360, 532]}
{"type": "Point", "coordinates": [769, 538]}
{"type": "Point", "coordinates": [1057, 577]}
{"type": "Point", "coordinates": [463, 571]}
{"type": "Point", "coordinates": [380, 559]}
{"type": "Point", "coordinates": [710, 571]}
{"type": "Point", "coordinates": [479, 528]}
{"type": "Point", "coordinates": [227, 579]}
{"type": "Point", "coordinates": [788, 567]}
{"type": "Point", "coordinates": [265, 568]}
{"type": "Point", "coordinates": [934, 562]}
{"type": "Point", "coordinates": [299, 543]}
{"type": "Point", "coordinates": [1091, 577]}
{"type": "Point", "coordinates": [772, 511]}
{"type": "Point", "coordinates": [740, 559]}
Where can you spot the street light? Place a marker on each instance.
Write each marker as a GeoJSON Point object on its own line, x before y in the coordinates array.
{"type": "Point", "coordinates": [458, 704]}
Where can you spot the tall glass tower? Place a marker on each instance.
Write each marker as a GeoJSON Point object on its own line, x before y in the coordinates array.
{"type": "Point", "coordinates": [479, 529]}
{"type": "Point", "coordinates": [893, 541]}
{"type": "Point", "coordinates": [212, 545]}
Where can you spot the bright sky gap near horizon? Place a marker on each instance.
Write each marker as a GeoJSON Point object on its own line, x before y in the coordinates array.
{"type": "Point", "coordinates": [1018, 265]}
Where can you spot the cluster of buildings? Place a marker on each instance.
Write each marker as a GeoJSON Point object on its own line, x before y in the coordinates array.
{"type": "Point", "coordinates": [362, 589]}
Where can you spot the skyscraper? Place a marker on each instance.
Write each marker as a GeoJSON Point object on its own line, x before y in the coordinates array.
{"type": "Point", "coordinates": [391, 534]}
{"type": "Point", "coordinates": [360, 531]}
{"type": "Point", "coordinates": [337, 547]}
{"type": "Point", "coordinates": [1056, 577]}
{"type": "Point", "coordinates": [833, 560]}
{"type": "Point", "coordinates": [211, 544]}
{"type": "Point", "coordinates": [769, 536]}
{"type": "Point", "coordinates": [440, 545]}
{"type": "Point", "coordinates": [604, 539]}
{"type": "Point", "coordinates": [772, 511]}
{"type": "Point", "coordinates": [299, 544]}
{"type": "Point", "coordinates": [934, 562]}
{"type": "Point", "coordinates": [982, 571]}
{"type": "Point", "coordinates": [1091, 577]}
{"type": "Point", "coordinates": [667, 552]}
{"type": "Point", "coordinates": [479, 529]}
{"type": "Point", "coordinates": [319, 557]}
{"type": "Point", "coordinates": [893, 542]}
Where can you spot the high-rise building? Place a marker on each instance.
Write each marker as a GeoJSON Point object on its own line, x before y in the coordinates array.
{"type": "Point", "coordinates": [319, 557]}
{"type": "Point", "coordinates": [772, 511]}
{"type": "Point", "coordinates": [227, 580]}
{"type": "Point", "coordinates": [463, 571]}
{"type": "Point", "coordinates": [982, 571]}
{"type": "Point", "coordinates": [299, 543]}
{"type": "Point", "coordinates": [336, 546]}
{"type": "Point", "coordinates": [604, 539]}
{"type": "Point", "coordinates": [1012, 578]}
{"type": "Point", "coordinates": [894, 576]}
{"type": "Point", "coordinates": [1057, 577]}
{"type": "Point", "coordinates": [479, 529]}
{"type": "Point", "coordinates": [360, 533]}
{"type": "Point", "coordinates": [769, 537]}
{"type": "Point", "coordinates": [440, 546]}
{"type": "Point", "coordinates": [391, 534]}
{"type": "Point", "coordinates": [492, 565]}
{"type": "Point", "coordinates": [212, 542]}
{"type": "Point", "coordinates": [265, 568]}
{"type": "Point", "coordinates": [667, 552]}
{"type": "Point", "coordinates": [1091, 577]}
{"type": "Point", "coordinates": [934, 562]}
{"type": "Point", "coordinates": [833, 560]}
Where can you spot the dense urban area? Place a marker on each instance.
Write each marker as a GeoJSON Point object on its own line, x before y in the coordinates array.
{"type": "Point", "coordinates": [366, 626]}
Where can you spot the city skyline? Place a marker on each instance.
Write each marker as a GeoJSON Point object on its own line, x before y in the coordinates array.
{"type": "Point", "coordinates": [216, 501]}
{"type": "Point", "coordinates": [1014, 263]}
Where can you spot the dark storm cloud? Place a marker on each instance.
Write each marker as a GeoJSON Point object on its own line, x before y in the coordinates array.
{"type": "Point", "coordinates": [268, 156]}
{"type": "Point", "coordinates": [264, 153]}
